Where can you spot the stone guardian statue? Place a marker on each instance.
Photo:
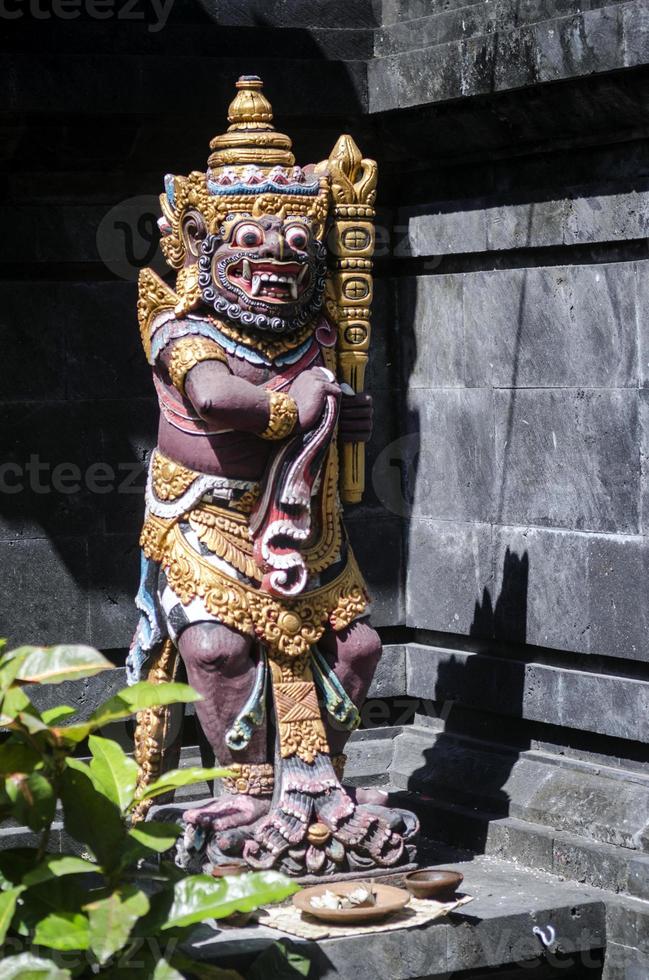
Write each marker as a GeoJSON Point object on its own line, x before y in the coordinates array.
{"type": "Point", "coordinates": [258, 355]}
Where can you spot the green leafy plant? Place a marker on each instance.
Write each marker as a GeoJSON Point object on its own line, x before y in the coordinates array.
{"type": "Point", "coordinates": [105, 910]}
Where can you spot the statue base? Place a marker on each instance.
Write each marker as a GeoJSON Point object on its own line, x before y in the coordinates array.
{"type": "Point", "coordinates": [381, 840]}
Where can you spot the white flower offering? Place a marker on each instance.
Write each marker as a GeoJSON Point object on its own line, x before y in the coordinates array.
{"type": "Point", "coordinates": [361, 897]}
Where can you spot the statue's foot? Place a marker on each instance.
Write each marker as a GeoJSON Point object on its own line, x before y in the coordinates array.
{"type": "Point", "coordinates": [359, 828]}
{"type": "Point", "coordinates": [317, 827]}
{"type": "Point", "coordinates": [285, 825]}
{"type": "Point", "coordinates": [228, 812]}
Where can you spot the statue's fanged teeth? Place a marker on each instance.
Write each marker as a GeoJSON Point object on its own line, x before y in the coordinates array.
{"type": "Point", "coordinates": [302, 273]}
{"type": "Point", "coordinates": [245, 270]}
{"type": "Point", "coordinates": [256, 284]}
{"type": "Point", "coordinates": [293, 287]}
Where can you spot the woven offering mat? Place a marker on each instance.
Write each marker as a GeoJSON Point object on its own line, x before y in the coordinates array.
{"type": "Point", "coordinates": [418, 912]}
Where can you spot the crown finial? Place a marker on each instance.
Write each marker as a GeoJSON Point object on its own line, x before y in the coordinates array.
{"type": "Point", "coordinates": [250, 109]}
{"type": "Point", "coordinates": [251, 138]}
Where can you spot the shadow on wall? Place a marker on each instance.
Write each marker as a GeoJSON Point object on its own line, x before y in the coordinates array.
{"type": "Point", "coordinates": [507, 621]}
{"type": "Point", "coordinates": [466, 777]}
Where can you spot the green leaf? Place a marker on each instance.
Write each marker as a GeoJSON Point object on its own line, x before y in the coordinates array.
{"type": "Point", "coordinates": [33, 799]}
{"type": "Point", "coordinates": [63, 896]}
{"type": "Point", "coordinates": [155, 835]}
{"type": "Point", "coordinates": [111, 920]}
{"type": "Point", "coordinates": [17, 756]}
{"type": "Point", "coordinates": [51, 665]}
{"type": "Point", "coordinates": [80, 766]}
{"type": "Point", "coordinates": [63, 931]}
{"type": "Point", "coordinates": [176, 778]}
{"type": "Point", "coordinates": [143, 695]}
{"type": "Point", "coordinates": [165, 971]}
{"type": "Point", "coordinates": [52, 716]}
{"type": "Point", "coordinates": [126, 703]}
{"type": "Point", "coordinates": [26, 966]}
{"type": "Point", "coordinates": [8, 901]}
{"type": "Point", "coordinates": [113, 772]}
{"type": "Point", "coordinates": [146, 837]}
{"type": "Point", "coordinates": [55, 866]}
{"type": "Point", "coordinates": [200, 897]}
{"type": "Point", "coordinates": [14, 702]}
{"type": "Point", "coordinates": [15, 863]}
{"type": "Point", "coordinates": [8, 674]}
{"type": "Point", "coordinates": [17, 712]}
{"type": "Point", "coordinates": [91, 818]}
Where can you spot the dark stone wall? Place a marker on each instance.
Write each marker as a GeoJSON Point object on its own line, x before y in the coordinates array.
{"type": "Point", "coordinates": [518, 186]}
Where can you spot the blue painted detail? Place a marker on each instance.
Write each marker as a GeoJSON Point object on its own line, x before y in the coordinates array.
{"type": "Point", "coordinates": [269, 186]}
{"type": "Point", "coordinates": [240, 350]}
{"type": "Point", "coordinates": [149, 631]}
{"type": "Point", "coordinates": [203, 328]}
{"type": "Point", "coordinates": [169, 189]}
{"type": "Point", "coordinates": [253, 712]}
{"type": "Point", "coordinates": [164, 335]}
{"type": "Point", "coordinates": [337, 702]}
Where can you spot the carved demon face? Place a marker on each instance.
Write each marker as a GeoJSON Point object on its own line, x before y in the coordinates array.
{"type": "Point", "coordinates": [267, 273]}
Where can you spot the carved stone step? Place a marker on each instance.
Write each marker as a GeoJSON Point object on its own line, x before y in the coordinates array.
{"type": "Point", "coordinates": [436, 24]}
{"type": "Point", "coordinates": [564, 47]}
{"type": "Point", "coordinates": [591, 802]}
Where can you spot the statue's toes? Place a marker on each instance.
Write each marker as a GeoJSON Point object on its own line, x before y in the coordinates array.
{"type": "Point", "coordinates": [257, 857]}
{"type": "Point", "coordinates": [357, 829]}
{"type": "Point", "coordinates": [334, 808]}
{"type": "Point", "coordinates": [272, 840]}
{"type": "Point", "coordinates": [292, 827]}
{"type": "Point", "coordinates": [298, 805]}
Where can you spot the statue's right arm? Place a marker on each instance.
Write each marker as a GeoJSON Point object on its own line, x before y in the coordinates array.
{"type": "Point", "coordinates": [230, 402]}
{"type": "Point", "coordinates": [223, 399]}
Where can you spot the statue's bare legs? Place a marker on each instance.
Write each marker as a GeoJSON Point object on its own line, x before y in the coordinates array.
{"type": "Point", "coordinates": [221, 667]}
{"type": "Point", "coordinates": [354, 654]}
{"type": "Point", "coordinates": [311, 792]}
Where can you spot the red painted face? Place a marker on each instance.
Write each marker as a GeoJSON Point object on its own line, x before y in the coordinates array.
{"type": "Point", "coordinates": [271, 261]}
{"type": "Point", "coordinates": [265, 272]}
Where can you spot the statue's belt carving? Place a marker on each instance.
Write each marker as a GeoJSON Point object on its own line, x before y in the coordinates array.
{"type": "Point", "coordinates": [171, 481]}
{"type": "Point", "coordinates": [288, 626]}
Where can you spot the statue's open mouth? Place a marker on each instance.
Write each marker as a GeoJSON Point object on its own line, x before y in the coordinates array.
{"type": "Point", "coordinates": [276, 282]}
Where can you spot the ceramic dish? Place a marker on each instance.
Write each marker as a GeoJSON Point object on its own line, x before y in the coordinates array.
{"type": "Point", "coordinates": [436, 883]}
{"type": "Point", "coordinates": [388, 900]}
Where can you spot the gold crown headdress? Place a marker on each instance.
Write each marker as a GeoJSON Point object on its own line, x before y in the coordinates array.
{"type": "Point", "coordinates": [251, 169]}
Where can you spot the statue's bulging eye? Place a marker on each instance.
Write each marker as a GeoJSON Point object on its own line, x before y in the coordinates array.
{"type": "Point", "coordinates": [248, 235]}
{"type": "Point", "coordinates": [297, 238]}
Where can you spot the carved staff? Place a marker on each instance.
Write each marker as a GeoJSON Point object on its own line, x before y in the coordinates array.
{"type": "Point", "coordinates": [351, 247]}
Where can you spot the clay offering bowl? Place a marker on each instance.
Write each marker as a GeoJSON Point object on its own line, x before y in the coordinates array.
{"type": "Point", "coordinates": [434, 883]}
